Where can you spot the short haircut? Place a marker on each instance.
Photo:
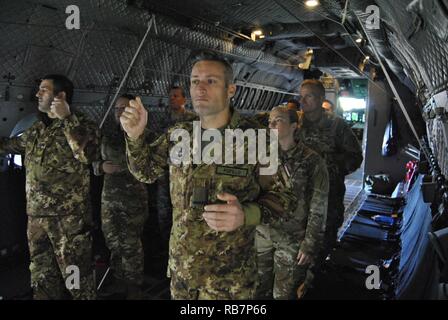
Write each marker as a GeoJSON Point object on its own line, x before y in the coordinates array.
{"type": "Point", "coordinates": [182, 90]}
{"type": "Point", "coordinates": [329, 102]}
{"type": "Point", "coordinates": [127, 96]}
{"type": "Point", "coordinates": [295, 101]}
{"type": "Point", "coordinates": [61, 83]}
{"type": "Point", "coordinates": [292, 114]}
{"type": "Point", "coordinates": [316, 84]}
{"type": "Point", "coordinates": [208, 55]}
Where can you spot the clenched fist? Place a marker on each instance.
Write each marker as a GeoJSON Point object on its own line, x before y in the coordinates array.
{"type": "Point", "coordinates": [59, 108]}
{"type": "Point", "coordinates": [134, 119]}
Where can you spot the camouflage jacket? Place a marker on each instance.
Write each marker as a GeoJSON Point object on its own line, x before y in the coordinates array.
{"type": "Point", "coordinates": [163, 200]}
{"type": "Point", "coordinates": [332, 139]}
{"type": "Point", "coordinates": [198, 253]}
{"type": "Point", "coordinates": [305, 173]}
{"type": "Point", "coordinates": [120, 186]}
{"type": "Point", "coordinates": [57, 159]}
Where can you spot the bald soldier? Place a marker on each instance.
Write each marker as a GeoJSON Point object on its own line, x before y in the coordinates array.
{"type": "Point", "coordinates": [215, 206]}
{"type": "Point", "coordinates": [286, 249]}
{"type": "Point", "coordinates": [58, 149]}
{"type": "Point", "coordinates": [332, 139]}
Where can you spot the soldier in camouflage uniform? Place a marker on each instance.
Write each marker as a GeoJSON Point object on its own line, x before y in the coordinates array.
{"type": "Point", "coordinates": [176, 113]}
{"type": "Point", "coordinates": [215, 207]}
{"type": "Point", "coordinates": [124, 206]}
{"type": "Point", "coordinates": [287, 248]}
{"type": "Point", "coordinates": [58, 149]}
{"type": "Point", "coordinates": [333, 139]}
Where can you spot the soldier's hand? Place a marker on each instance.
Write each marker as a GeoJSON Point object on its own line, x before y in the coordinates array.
{"type": "Point", "coordinates": [303, 259]}
{"type": "Point", "coordinates": [224, 217]}
{"type": "Point", "coordinates": [109, 167]}
{"type": "Point", "coordinates": [134, 119]}
{"type": "Point", "coordinates": [59, 107]}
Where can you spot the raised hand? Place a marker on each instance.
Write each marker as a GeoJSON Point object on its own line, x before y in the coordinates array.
{"type": "Point", "coordinates": [134, 119]}
{"type": "Point", "coordinates": [59, 107]}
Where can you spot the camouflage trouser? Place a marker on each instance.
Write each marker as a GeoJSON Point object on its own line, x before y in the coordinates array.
{"type": "Point", "coordinates": [122, 228]}
{"type": "Point", "coordinates": [164, 208]}
{"type": "Point", "coordinates": [279, 276]}
{"type": "Point", "coordinates": [224, 289]}
{"type": "Point", "coordinates": [56, 243]}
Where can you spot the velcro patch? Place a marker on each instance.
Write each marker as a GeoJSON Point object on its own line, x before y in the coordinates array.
{"type": "Point", "coordinates": [232, 171]}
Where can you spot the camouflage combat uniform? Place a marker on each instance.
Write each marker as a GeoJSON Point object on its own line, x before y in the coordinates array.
{"type": "Point", "coordinates": [124, 208]}
{"type": "Point", "coordinates": [278, 244]}
{"type": "Point", "coordinates": [332, 138]}
{"type": "Point", "coordinates": [203, 263]}
{"type": "Point", "coordinates": [163, 200]}
{"type": "Point", "coordinates": [57, 156]}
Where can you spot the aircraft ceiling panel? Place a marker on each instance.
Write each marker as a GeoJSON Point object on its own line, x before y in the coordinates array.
{"type": "Point", "coordinates": [37, 42]}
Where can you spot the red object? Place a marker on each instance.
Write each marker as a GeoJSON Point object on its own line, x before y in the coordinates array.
{"type": "Point", "coordinates": [411, 169]}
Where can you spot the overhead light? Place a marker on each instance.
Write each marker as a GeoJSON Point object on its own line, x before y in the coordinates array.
{"type": "Point", "coordinates": [359, 40]}
{"type": "Point", "coordinates": [257, 34]}
{"type": "Point", "coordinates": [311, 3]}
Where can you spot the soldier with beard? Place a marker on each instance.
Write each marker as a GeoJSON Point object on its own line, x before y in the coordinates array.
{"type": "Point", "coordinates": [58, 150]}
